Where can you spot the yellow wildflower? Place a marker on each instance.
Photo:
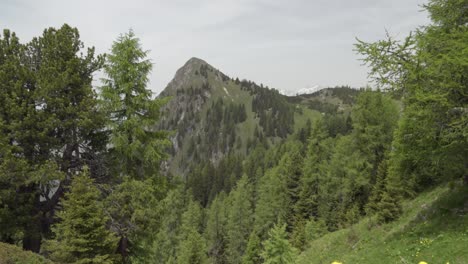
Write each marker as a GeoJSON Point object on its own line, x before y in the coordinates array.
{"type": "Point", "coordinates": [336, 262]}
{"type": "Point", "coordinates": [422, 262]}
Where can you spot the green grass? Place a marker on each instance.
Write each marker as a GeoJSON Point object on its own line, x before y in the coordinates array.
{"type": "Point", "coordinates": [10, 254]}
{"type": "Point", "coordinates": [433, 228]}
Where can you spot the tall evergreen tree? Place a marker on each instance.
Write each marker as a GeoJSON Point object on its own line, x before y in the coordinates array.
{"type": "Point", "coordinates": [216, 228]}
{"type": "Point", "coordinates": [273, 201]}
{"type": "Point", "coordinates": [192, 246]}
{"type": "Point", "coordinates": [428, 69]}
{"type": "Point", "coordinates": [253, 250]}
{"type": "Point", "coordinates": [14, 169]}
{"type": "Point", "coordinates": [167, 237]}
{"type": "Point", "coordinates": [52, 108]}
{"type": "Point", "coordinates": [316, 157]}
{"type": "Point", "coordinates": [82, 235]}
{"type": "Point", "coordinates": [240, 220]}
{"type": "Point", "coordinates": [277, 249]}
{"type": "Point", "coordinates": [136, 146]}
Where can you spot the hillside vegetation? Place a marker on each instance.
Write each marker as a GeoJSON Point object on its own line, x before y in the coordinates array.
{"type": "Point", "coordinates": [432, 228]}
{"type": "Point", "coordinates": [10, 254]}
{"type": "Point", "coordinates": [222, 170]}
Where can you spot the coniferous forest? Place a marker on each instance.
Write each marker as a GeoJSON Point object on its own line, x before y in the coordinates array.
{"type": "Point", "coordinates": [221, 170]}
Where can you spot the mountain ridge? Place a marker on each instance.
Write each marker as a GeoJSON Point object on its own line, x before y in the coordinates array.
{"type": "Point", "coordinates": [243, 112]}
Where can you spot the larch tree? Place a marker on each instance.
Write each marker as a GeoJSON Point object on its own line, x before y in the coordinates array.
{"type": "Point", "coordinates": [429, 70]}
{"type": "Point", "coordinates": [240, 219]}
{"type": "Point", "coordinates": [253, 251]}
{"type": "Point", "coordinates": [277, 249]}
{"type": "Point", "coordinates": [216, 229]}
{"type": "Point", "coordinates": [136, 146]}
{"type": "Point", "coordinates": [192, 245]}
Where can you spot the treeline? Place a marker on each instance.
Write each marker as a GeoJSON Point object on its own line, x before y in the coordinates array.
{"type": "Point", "coordinates": [220, 125]}
{"type": "Point", "coordinates": [276, 115]}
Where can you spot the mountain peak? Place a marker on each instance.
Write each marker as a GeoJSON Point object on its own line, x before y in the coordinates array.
{"type": "Point", "coordinates": [194, 70]}
{"type": "Point", "coordinates": [184, 75]}
{"type": "Point", "coordinates": [195, 60]}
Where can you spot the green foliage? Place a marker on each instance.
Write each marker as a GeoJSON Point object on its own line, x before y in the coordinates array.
{"type": "Point", "coordinates": [167, 236]}
{"type": "Point", "coordinates": [313, 172]}
{"type": "Point", "coordinates": [277, 249]}
{"type": "Point", "coordinates": [49, 124]}
{"type": "Point", "coordinates": [272, 202]}
{"type": "Point", "coordinates": [314, 229]}
{"type": "Point", "coordinates": [137, 147]}
{"type": "Point", "coordinates": [431, 228]}
{"type": "Point", "coordinates": [216, 229]}
{"type": "Point", "coordinates": [82, 236]}
{"type": "Point", "coordinates": [253, 250]}
{"type": "Point", "coordinates": [240, 220]}
{"type": "Point", "coordinates": [132, 113]}
{"type": "Point", "coordinates": [12, 254]}
{"type": "Point", "coordinates": [429, 68]}
{"type": "Point", "coordinates": [275, 114]}
{"type": "Point", "coordinates": [192, 249]}
{"type": "Point", "coordinates": [133, 207]}
{"type": "Point", "coordinates": [192, 245]}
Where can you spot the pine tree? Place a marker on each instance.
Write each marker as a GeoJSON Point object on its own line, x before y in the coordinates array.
{"type": "Point", "coordinates": [277, 249]}
{"type": "Point", "coordinates": [314, 229]}
{"type": "Point", "coordinates": [50, 119]}
{"type": "Point", "coordinates": [14, 169]}
{"type": "Point", "coordinates": [82, 236]}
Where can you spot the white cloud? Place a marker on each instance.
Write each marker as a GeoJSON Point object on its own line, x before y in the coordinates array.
{"type": "Point", "coordinates": [282, 43]}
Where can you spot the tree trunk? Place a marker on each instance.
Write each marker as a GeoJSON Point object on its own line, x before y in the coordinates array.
{"type": "Point", "coordinates": [32, 237]}
{"type": "Point", "coordinates": [123, 248]}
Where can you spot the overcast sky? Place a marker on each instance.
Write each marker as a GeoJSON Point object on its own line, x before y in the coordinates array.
{"type": "Point", "coordinates": [285, 44]}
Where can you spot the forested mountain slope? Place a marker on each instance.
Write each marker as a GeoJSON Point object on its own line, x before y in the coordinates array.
{"type": "Point", "coordinates": [213, 115]}
{"type": "Point", "coordinates": [252, 176]}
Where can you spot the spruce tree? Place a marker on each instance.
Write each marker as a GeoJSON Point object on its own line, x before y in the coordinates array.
{"type": "Point", "coordinates": [313, 173]}
{"type": "Point", "coordinates": [277, 249]}
{"type": "Point", "coordinates": [82, 235]}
